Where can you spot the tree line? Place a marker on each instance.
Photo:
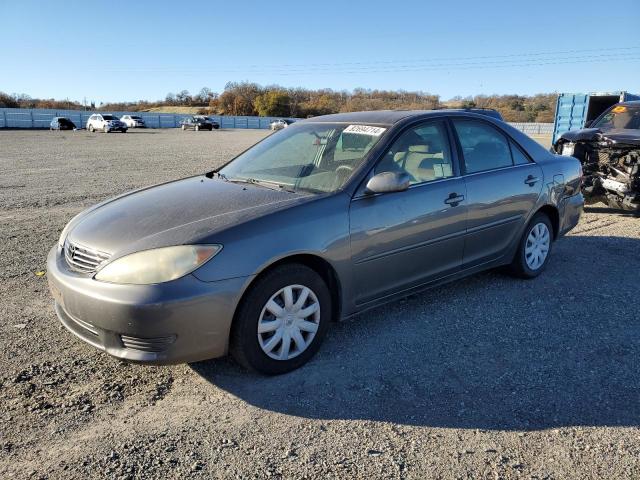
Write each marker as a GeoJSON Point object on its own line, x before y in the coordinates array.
{"type": "Point", "coordinates": [248, 98]}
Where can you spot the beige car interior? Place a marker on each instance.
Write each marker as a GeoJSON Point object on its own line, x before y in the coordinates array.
{"type": "Point", "coordinates": [422, 153]}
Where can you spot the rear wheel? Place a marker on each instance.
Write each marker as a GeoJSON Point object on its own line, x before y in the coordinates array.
{"type": "Point", "coordinates": [282, 320]}
{"type": "Point", "coordinates": [534, 248]}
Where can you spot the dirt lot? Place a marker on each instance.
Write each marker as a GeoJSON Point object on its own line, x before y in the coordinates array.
{"type": "Point", "coordinates": [489, 377]}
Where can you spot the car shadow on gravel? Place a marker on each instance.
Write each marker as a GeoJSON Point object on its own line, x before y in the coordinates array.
{"type": "Point", "coordinates": [489, 352]}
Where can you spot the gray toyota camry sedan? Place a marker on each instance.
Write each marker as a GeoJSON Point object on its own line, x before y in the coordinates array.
{"type": "Point", "coordinates": [319, 221]}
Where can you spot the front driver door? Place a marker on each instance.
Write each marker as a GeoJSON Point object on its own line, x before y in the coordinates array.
{"type": "Point", "coordinates": [404, 239]}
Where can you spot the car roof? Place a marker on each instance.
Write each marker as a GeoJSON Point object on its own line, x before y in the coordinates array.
{"type": "Point", "coordinates": [631, 103]}
{"type": "Point", "coordinates": [390, 117]}
{"type": "Point", "coordinates": [386, 117]}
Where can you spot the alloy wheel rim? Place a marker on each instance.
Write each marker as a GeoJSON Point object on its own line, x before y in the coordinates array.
{"type": "Point", "coordinates": [537, 246]}
{"type": "Point", "coordinates": [289, 322]}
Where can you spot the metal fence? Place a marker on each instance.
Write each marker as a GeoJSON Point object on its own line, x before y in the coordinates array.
{"type": "Point", "coordinates": [534, 128]}
{"type": "Point", "coordinates": [41, 118]}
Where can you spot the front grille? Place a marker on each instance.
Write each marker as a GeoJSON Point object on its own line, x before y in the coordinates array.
{"type": "Point", "coordinates": [603, 157]}
{"type": "Point", "coordinates": [83, 259]}
{"type": "Point", "coordinates": [157, 344]}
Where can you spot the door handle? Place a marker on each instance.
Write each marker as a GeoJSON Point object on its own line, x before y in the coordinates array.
{"type": "Point", "coordinates": [531, 180]}
{"type": "Point", "coordinates": [454, 199]}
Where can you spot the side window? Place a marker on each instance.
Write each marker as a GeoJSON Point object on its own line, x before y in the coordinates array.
{"type": "Point", "coordinates": [519, 158]}
{"type": "Point", "coordinates": [484, 147]}
{"type": "Point", "coordinates": [423, 152]}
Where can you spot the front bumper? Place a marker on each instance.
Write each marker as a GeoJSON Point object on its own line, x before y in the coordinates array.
{"type": "Point", "coordinates": [184, 320]}
{"type": "Point", "coordinates": [570, 211]}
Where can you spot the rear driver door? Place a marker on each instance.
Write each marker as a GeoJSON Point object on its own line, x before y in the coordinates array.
{"type": "Point", "coordinates": [503, 185]}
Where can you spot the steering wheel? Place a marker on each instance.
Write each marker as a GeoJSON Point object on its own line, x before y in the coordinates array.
{"type": "Point", "coordinates": [346, 168]}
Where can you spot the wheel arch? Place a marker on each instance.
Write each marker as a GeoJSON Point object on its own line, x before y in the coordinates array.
{"type": "Point", "coordinates": [554, 215]}
{"type": "Point", "coordinates": [315, 262]}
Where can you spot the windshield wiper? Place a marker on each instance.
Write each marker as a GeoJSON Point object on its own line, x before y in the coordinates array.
{"type": "Point", "coordinates": [263, 183]}
{"type": "Point", "coordinates": [271, 185]}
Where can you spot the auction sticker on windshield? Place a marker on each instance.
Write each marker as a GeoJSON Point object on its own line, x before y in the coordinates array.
{"type": "Point", "coordinates": [365, 130]}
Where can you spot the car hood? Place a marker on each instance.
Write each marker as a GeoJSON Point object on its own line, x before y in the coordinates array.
{"type": "Point", "coordinates": [176, 213]}
{"type": "Point", "coordinates": [615, 136]}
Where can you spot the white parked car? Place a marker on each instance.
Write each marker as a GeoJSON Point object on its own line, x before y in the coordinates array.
{"type": "Point", "coordinates": [279, 124]}
{"type": "Point", "coordinates": [133, 121]}
{"type": "Point", "coordinates": [105, 122]}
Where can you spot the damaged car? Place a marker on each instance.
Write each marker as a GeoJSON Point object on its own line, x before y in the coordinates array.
{"type": "Point", "coordinates": [609, 151]}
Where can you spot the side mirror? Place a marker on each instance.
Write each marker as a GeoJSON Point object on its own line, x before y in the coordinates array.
{"type": "Point", "coordinates": [387, 182]}
{"type": "Point", "coordinates": [587, 124]}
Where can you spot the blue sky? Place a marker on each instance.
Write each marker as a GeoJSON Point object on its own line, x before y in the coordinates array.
{"type": "Point", "coordinates": [124, 50]}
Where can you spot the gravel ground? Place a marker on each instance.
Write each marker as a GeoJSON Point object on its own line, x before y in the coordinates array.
{"type": "Point", "coordinates": [489, 377]}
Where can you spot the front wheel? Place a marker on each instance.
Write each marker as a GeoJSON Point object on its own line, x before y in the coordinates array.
{"type": "Point", "coordinates": [282, 320]}
{"type": "Point", "coordinates": [105, 129]}
{"type": "Point", "coordinates": [184, 127]}
{"type": "Point", "coordinates": [91, 129]}
{"type": "Point", "coordinates": [197, 129]}
{"type": "Point", "coordinates": [534, 248]}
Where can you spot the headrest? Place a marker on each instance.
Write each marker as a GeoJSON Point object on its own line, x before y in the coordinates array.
{"type": "Point", "coordinates": [419, 148]}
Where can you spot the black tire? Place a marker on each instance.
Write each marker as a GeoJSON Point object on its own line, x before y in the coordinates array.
{"type": "Point", "coordinates": [244, 345]}
{"type": "Point", "coordinates": [519, 266]}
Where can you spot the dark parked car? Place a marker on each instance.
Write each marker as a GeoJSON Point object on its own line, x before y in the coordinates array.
{"type": "Point", "coordinates": [260, 256]}
{"type": "Point", "coordinates": [199, 122]}
{"type": "Point", "coordinates": [609, 150]}
{"type": "Point", "coordinates": [61, 123]}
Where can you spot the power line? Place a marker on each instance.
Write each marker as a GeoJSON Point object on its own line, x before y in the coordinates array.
{"type": "Point", "coordinates": [590, 59]}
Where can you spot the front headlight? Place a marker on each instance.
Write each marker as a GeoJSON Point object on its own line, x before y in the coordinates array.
{"type": "Point", "coordinates": [157, 265]}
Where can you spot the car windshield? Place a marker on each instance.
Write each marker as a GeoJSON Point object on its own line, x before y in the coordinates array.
{"type": "Point", "coordinates": [317, 157]}
{"type": "Point", "coordinates": [621, 116]}
{"type": "Point", "coordinates": [109, 117]}
{"type": "Point", "coordinates": [133, 117]}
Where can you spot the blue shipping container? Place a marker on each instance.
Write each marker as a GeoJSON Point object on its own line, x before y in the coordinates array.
{"type": "Point", "coordinates": [573, 110]}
